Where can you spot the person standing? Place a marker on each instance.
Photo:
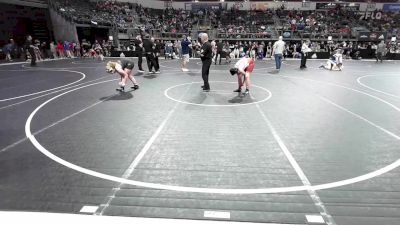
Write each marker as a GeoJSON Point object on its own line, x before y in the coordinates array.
{"type": "Point", "coordinates": [31, 49]}
{"type": "Point", "coordinates": [304, 51]}
{"type": "Point", "coordinates": [220, 46]}
{"type": "Point", "coordinates": [277, 52]}
{"type": "Point", "coordinates": [179, 49]}
{"type": "Point", "coordinates": [149, 50]}
{"type": "Point", "coordinates": [67, 49]}
{"type": "Point", "coordinates": [214, 49]}
{"type": "Point", "coordinates": [78, 50]}
{"type": "Point", "coordinates": [168, 50]}
{"type": "Point", "coordinates": [206, 58]}
{"type": "Point", "coordinates": [157, 51]}
{"type": "Point", "coordinates": [226, 49]}
{"type": "Point", "coordinates": [380, 51]}
{"type": "Point", "coordinates": [53, 50]}
{"type": "Point", "coordinates": [260, 51]}
{"type": "Point", "coordinates": [60, 49]}
{"type": "Point", "coordinates": [186, 44]}
{"type": "Point", "coordinates": [139, 50]}
{"type": "Point", "coordinates": [8, 49]}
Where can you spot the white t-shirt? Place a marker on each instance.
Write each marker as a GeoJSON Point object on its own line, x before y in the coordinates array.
{"type": "Point", "coordinates": [242, 64]}
{"type": "Point", "coordinates": [305, 48]}
{"type": "Point", "coordinates": [279, 47]}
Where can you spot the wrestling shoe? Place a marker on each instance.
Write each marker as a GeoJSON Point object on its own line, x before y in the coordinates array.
{"type": "Point", "coordinates": [206, 89]}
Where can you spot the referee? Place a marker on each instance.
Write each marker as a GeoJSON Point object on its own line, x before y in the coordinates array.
{"type": "Point", "coordinates": [139, 49]}
{"type": "Point", "coordinates": [206, 58]}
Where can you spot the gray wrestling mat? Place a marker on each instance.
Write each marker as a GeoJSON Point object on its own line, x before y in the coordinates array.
{"type": "Point", "coordinates": [304, 142]}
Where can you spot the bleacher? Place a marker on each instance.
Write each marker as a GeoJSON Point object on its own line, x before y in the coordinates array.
{"type": "Point", "coordinates": [228, 24]}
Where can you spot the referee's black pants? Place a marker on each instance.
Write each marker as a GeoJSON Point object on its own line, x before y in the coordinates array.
{"type": "Point", "coordinates": [150, 61]}
{"type": "Point", "coordinates": [303, 60]}
{"type": "Point", "coordinates": [140, 60]}
{"type": "Point", "coordinates": [205, 71]}
{"type": "Point", "coordinates": [156, 63]}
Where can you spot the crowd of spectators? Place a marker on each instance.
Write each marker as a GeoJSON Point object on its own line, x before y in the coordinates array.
{"type": "Point", "coordinates": [317, 24]}
{"type": "Point", "coordinates": [339, 22]}
{"type": "Point", "coordinates": [167, 20]}
{"type": "Point", "coordinates": [241, 24]}
{"type": "Point", "coordinates": [126, 15]}
{"type": "Point", "coordinates": [56, 50]}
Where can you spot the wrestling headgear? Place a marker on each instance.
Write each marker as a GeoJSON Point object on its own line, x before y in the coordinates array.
{"type": "Point", "coordinates": [233, 71]}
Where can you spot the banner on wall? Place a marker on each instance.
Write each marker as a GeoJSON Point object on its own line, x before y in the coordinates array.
{"type": "Point", "coordinates": [167, 4]}
{"type": "Point", "coordinates": [209, 6]}
{"type": "Point", "coordinates": [371, 6]}
{"type": "Point", "coordinates": [305, 4]}
{"type": "Point", "coordinates": [372, 36]}
{"type": "Point", "coordinates": [238, 5]}
{"type": "Point", "coordinates": [331, 5]}
{"type": "Point", "coordinates": [391, 7]}
{"type": "Point", "coordinates": [259, 6]}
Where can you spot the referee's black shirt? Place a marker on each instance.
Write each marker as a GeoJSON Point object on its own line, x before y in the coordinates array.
{"type": "Point", "coordinates": [148, 46]}
{"type": "Point", "coordinates": [206, 51]}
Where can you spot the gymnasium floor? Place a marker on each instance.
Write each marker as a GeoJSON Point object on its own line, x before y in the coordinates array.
{"type": "Point", "coordinates": [305, 142]}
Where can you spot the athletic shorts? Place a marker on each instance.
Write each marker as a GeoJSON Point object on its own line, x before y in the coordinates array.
{"type": "Point", "coordinates": [185, 58]}
{"type": "Point", "coordinates": [127, 64]}
{"type": "Point", "coordinates": [250, 68]}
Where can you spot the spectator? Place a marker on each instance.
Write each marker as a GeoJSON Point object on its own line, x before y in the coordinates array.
{"type": "Point", "coordinates": [53, 50]}
{"type": "Point", "coordinates": [8, 49]}
{"type": "Point", "coordinates": [277, 51]}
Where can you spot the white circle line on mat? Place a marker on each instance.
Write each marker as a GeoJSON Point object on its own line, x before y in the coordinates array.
{"type": "Point", "coordinates": [39, 92]}
{"type": "Point", "coordinates": [75, 167]}
{"type": "Point", "coordinates": [213, 105]}
{"type": "Point", "coordinates": [374, 89]}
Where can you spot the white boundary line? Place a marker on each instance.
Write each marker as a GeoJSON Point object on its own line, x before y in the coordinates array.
{"type": "Point", "coordinates": [28, 62]}
{"type": "Point", "coordinates": [382, 92]}
{"type": "Point", "coordinates": [62, 120]}
{"type": "Point", "coordinates": [197, 104]}
{"type": "Point", "coordinates": [25, 138]}
{"type": "Point", "coordinates": [61, 68]}
{"type": "Point", "coordinates": [40, 96]}
{"type": "Point", "coordinates": [300, 173]}
{"type": "Point", "coordinates": [366, 176]}
{"type": "Point", "coordinates": [61, 161]}
{"type": "Point", "coordinates": [39, 92]}
{"type": "Point", "coordinates": [140, 156]}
